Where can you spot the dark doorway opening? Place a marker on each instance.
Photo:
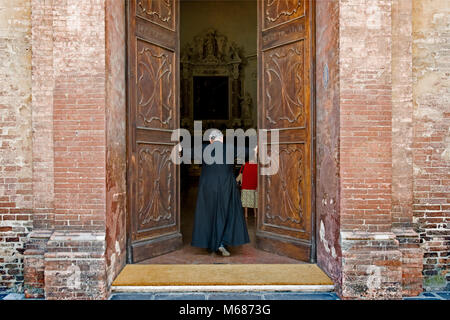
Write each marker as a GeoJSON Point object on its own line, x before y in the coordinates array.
{"type": "Point", "coordinates": [275, 79]}
{"type": "Point", "coordinates": [207, 96]}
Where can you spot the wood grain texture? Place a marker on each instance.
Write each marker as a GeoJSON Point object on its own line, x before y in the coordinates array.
{"type": "Point", "coordinates": [161, 12]}
{"type": "Point", "coordinates": [285, 63]}
{"type": "Point", "coordinates": [155, 86]}
{"type": "Point", "coordinates": [284, 86]}
{"type": "Point", "coordinates": [153, 107]}
{"type": "Point", "coordinates": [277, 12]}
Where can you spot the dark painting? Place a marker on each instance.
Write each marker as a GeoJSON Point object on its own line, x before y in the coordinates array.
{"type": "Point", "coordinates": [211, 98]}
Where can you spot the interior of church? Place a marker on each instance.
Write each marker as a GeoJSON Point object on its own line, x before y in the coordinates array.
{"type": "Point", "coordinates": [218, 85]}
{"type": "Point", "coordinates": [218, 43]}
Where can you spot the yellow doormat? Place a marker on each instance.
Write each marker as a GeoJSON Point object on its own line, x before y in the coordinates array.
{"type": "Point", "coordinates": [221, 275]}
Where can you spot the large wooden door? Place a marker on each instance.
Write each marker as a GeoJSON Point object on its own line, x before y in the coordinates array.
{"type": "Point", "coordinates": [285, 56]}
{"type": "Point", "coordinates": [153, 100]}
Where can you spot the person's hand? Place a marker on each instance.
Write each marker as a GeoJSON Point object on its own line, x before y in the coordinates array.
{"type": "Point", "coordinates": [255, 153]}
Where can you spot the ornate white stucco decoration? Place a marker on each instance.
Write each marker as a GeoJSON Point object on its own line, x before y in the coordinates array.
{"type": "Point", "coordinates": [211, 53]}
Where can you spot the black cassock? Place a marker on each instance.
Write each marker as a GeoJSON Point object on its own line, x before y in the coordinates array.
{"type": "Point", "coordinates": [219, 217]}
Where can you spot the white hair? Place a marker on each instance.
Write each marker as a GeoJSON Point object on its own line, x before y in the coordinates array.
{"type": "Point", "coordinates": [215, 134]}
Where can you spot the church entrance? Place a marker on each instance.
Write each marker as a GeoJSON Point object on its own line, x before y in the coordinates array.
{"type": "Point", "coordinates": [229, 64]}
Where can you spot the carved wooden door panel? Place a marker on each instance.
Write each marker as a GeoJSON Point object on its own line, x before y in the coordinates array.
{"type": "Point", "coordinates": [285, 54]}
{"type": "Point", "coordinates": [153, 71]}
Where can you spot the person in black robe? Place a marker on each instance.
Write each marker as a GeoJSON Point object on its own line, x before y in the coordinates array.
{"type": "Point", "coordinates": [219, 219]}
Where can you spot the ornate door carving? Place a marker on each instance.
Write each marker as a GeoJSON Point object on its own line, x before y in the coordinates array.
{"type": "Point", "coordinates": [285, 58]}
{"type": "Point", "coordinates": [153, 71]}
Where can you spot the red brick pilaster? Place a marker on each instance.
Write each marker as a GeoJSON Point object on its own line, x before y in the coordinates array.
{"type": "Point", "coordinates": [402, 155]}
{"type": "Point", "coordinates": [75, 256]}
{"type": "Point", "coordinates": [365, 115]}
{"type": "Point", "coordinates": [371, 259]}
{"type": "Point", "coordinates": [69, 151]}
{"type": "Point", "coordinates": [42, 114]}
{"type": "Point", "coordinates": [376, 150]}
{"type": "Point", "coordinates": [402, 114]}
{"type": "Point", "coordinates": [79, 115]}
{"type": "Point", "coordinates": [42, 135]}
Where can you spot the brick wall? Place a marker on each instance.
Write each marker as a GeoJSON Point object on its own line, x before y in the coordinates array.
{"type": "Point", "coordinates": [15, 139]}
{"type": "Point", "coordinates": [371, 259]}
{"type": "Point", "coordinates": [402, 114]}
{"type": "Point", "coordinates": [402, 137]}
{"type": "Point", "coordinates": [74, 259]}
{"type": "Point", "coordinates": [366, 115]}
{"type": "Point", "coordinates": [42, 119]}
{"type": "Point", "coordinates": [79, 114]}
{"type": "Point", "coordinates": [69, 158]}
{"type": "Point", "coordinates": [43, 146]}
{"type": "Point", "coordinates": [371, 266]}
{"type": "Point", "coordinates": [431, 140]}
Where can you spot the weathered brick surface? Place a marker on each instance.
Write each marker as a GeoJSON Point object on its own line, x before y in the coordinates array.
{"type": "Point", "coordinates": [376, 158]}
{"type": "Point", "coordinates": [402, 114]}
{"type": "Point", "coordinates": [75, 267]}
{"type": "Point", "coordinates": [34, 285]}
{"type": "Point", "coordinates": [371, 266]}
{"type": "Point", "coordinates": [69, 150]}
{"type": "Point", "coordinates": [365, 115]}
{"type": "Point", "coordinates": [115, 138]}
{"type": "Point", "coordinates": [79, 114]}
{"type": "Point", "coordinates": [411, 261]}
{"type": "Point", "coordinates": [327, 139]}
{"type": "Point", "coordinates": [43, 147]}
{"type": "Point", "coordinates": [15, 139]}
{"type": "Point", "coordinates": [42, 117]}
{"type": "Point", "coordinates": [402, 156]}
{"type": "Point", "coordinates": [431, 140]}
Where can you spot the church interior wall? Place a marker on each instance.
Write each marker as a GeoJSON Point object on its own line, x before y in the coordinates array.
{"type": "Point", "coordinates": [236, 20]}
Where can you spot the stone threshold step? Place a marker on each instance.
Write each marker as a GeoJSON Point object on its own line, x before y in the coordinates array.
{"type": "Point", "coordinates": [224, 288]}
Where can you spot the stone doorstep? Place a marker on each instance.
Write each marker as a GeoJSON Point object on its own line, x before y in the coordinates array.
{"type": "Point", "coordinates": [260, 295]}
{"type": "Point", "coordinates": [434, 295]}
{"type": "Point", "coordinates": [224, 288]}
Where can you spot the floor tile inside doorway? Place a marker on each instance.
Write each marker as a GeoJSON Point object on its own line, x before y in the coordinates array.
{"type": "Point", "coordinates": [246, 254]}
